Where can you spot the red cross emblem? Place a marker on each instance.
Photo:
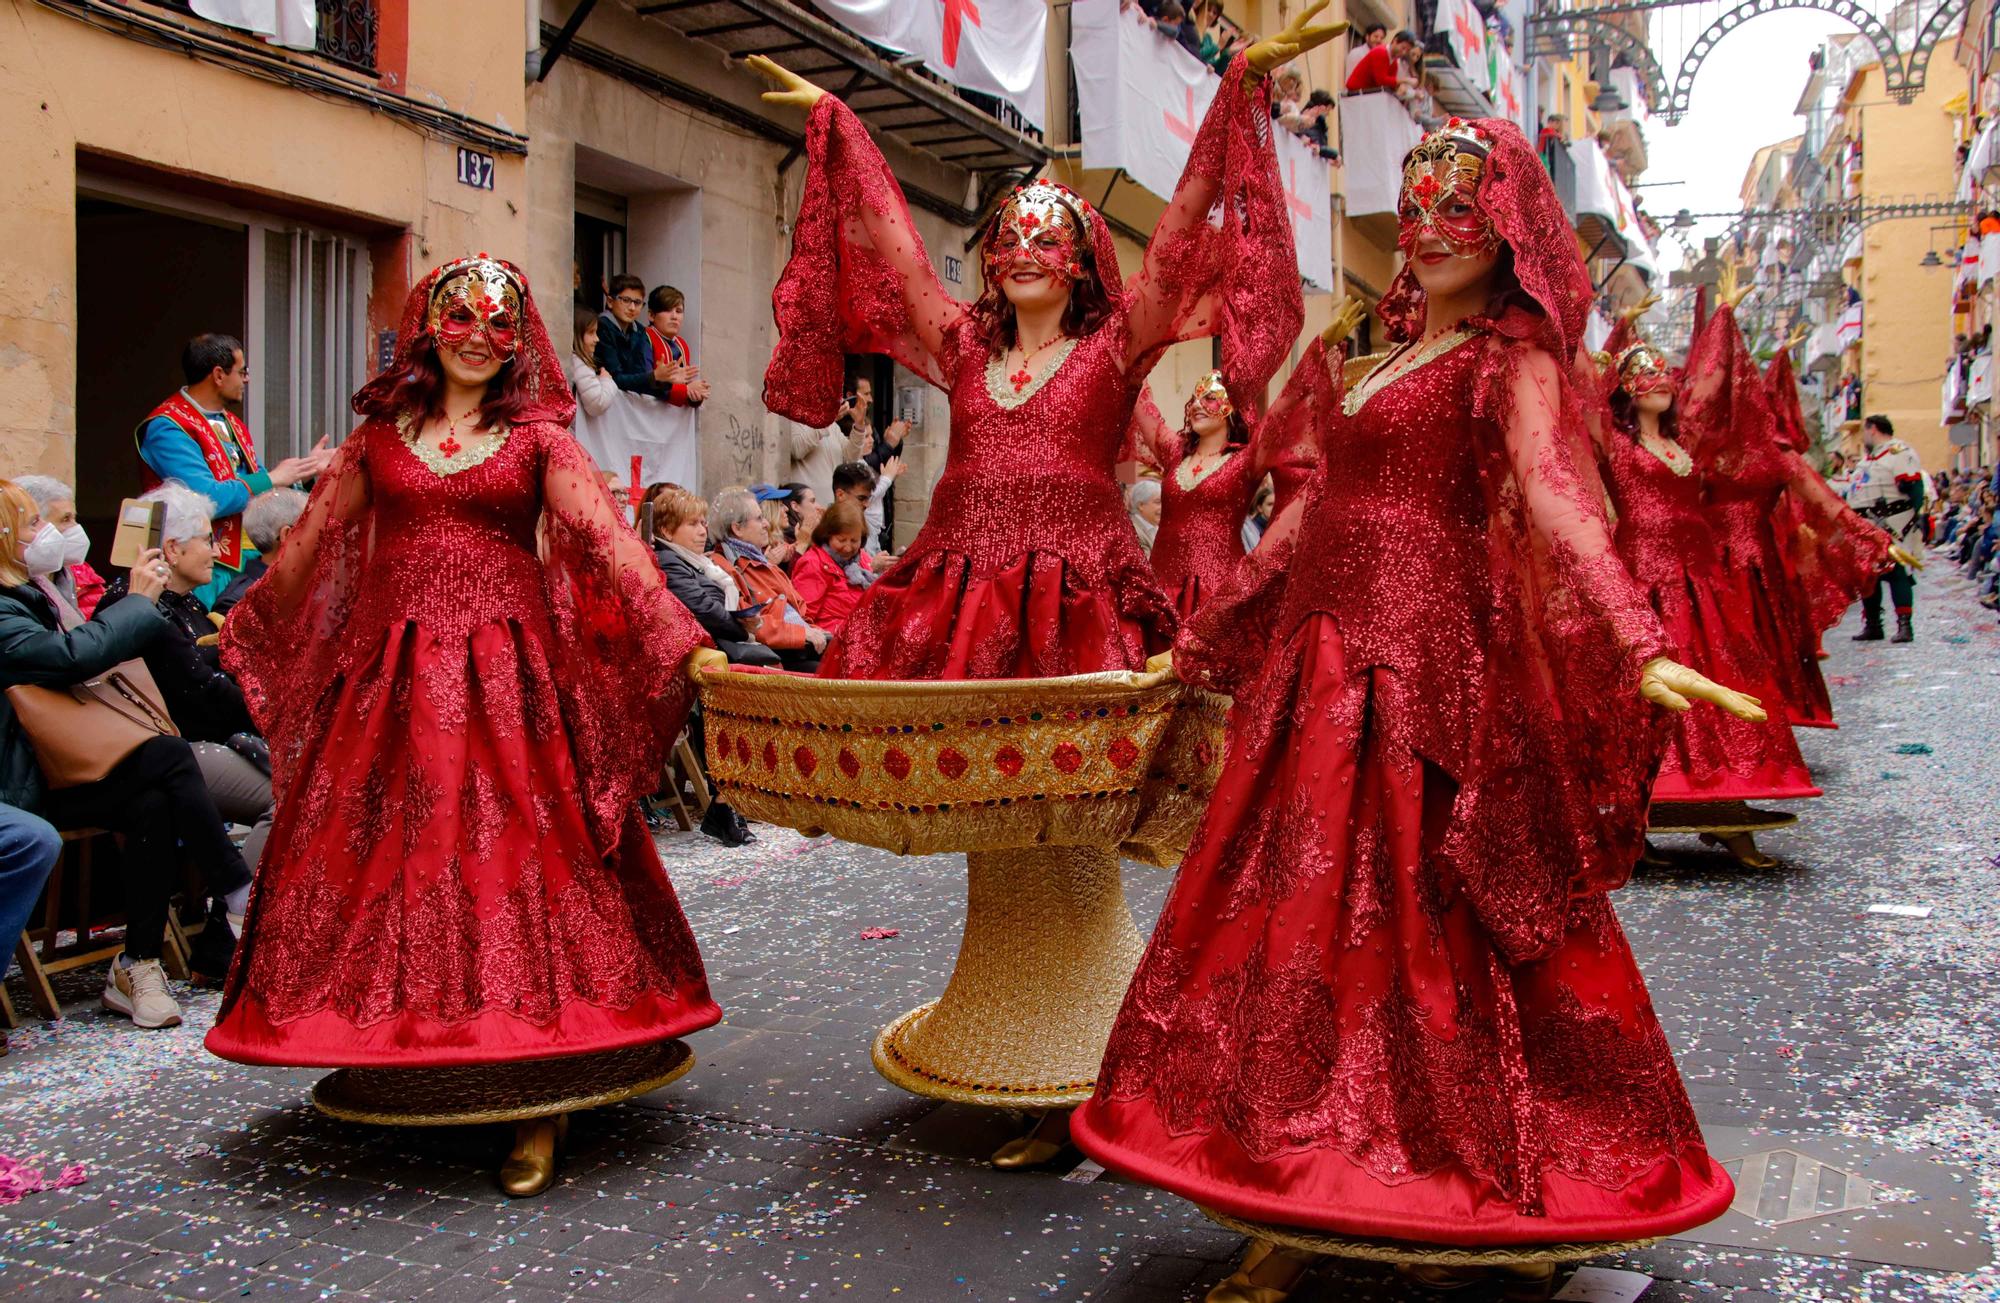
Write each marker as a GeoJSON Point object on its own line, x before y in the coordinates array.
{"type": "Point", "coordinates": [956, 12]}
{"type": "Point", "coordinates": [1184, 128]}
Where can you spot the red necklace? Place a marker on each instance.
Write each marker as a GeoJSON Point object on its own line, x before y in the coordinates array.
{"type": "Point", "coordinates": [449, 445]}
{"type": "Point", "coordinates": [1022, 378]}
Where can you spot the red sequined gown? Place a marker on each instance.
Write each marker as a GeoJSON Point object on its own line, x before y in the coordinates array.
{"type": "Point", "coordinates": [1027, 564]}
{"type": "Point", "coordinates": [460, 728]}
{"type": "Point", "coordinates": [1200, 543]}
{"type": "Point", "coordinates": [1388, 996]}
{"type": "Point", "coordinates": [1668, 539]}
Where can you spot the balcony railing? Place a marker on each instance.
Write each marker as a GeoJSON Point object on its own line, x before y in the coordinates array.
{"type": "Point", "coordinates": [344, 32]}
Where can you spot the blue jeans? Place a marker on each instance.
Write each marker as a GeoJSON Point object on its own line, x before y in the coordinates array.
{"type": "Point", "coordinates": [29, 848]}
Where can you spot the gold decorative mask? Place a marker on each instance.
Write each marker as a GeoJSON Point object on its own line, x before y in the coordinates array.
{"type": "Point", "coordinates": [1043, 221]}
{"type": "Point", "coordinates": [1643, 369]}
{"type": "Point", "coordinates": [1210, 398]}
{"type": "Point", "coordinates": [475, 295]}
{"type": "Point", "coordinates": [1440, 176]}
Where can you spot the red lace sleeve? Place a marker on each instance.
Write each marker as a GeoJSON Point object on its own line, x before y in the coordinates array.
{"type": "Point", "coordinates": [1836, 555]}
{"type": "Point", "coordinates": [1148, 439]}
{"type": "Point", "coordinates": [1287, 441]}
{"type": "Point", "coordinates": [624, 684]}
{"type": "Point", "coordinates": [859, 279]}
{"type": "Point", "coordinates": [1726, 418]}
{"type": "Point", "coordinates": [284, 639]}
{"type": "Point", "coordinates": [1221, 261]}
{"type": "Point", "coordinates": [1554, 806]}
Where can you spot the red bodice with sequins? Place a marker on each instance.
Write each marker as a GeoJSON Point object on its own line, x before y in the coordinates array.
{"type": "Point", "coordinates": [1200, 542]}
{"type": "Point", "coordinates": [1663, 530]}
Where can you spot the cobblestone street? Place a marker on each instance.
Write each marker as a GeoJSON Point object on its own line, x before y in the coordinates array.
{"type": "Point", "coordinates": [783, 1167]}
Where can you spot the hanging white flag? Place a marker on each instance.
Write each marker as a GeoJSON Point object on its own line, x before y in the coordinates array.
{"type": "Point", "coordinates": [1142, 98]}
{"type": "Point", "coordinates": [991, 46]}
{"type": "Point", "coordinates": [290, 23]}
{"type": "Point", "coordinates": [1465, 29]}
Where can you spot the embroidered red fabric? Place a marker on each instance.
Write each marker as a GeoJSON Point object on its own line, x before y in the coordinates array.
{"type": "Point", "coordinates": [1027, 564]}
{"type": "Point", "coordinates": [1200, 543]}
{"type": "Point", "coordinates": [1387, 996]}
{"type": "Point", "coordinates": [466, 679]}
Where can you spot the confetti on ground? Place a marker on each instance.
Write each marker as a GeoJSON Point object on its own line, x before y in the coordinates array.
{"type": "Point", "coordinates": [878, 933]}
{"type": "Point", "coordinates": [1914, 748]}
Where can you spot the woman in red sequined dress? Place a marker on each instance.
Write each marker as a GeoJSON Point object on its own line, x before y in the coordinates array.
{"type": "Point", "coordinates": [468, 668]}
{"type": "Point", "coordinates": [1211, 468]}
{"type": "Point", "coordinates": [1670, 537]}
{"type": "Point", "coordinates": [1777, 519]}
{"type": "Point", "coordinates": [1388, 997]}
{"type": "Point", "coordinates": [1027, 565]}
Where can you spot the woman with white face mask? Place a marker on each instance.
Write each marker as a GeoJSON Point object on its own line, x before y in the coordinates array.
{"type": "Point", "coordinates": [73, 578]}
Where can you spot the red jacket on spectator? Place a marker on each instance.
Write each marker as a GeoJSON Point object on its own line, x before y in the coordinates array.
{"type": "Point", "coordinates": [760, 581]}
{"type": "Point", "coordinates": [830, 596]}
{"type": "Point", "coordinates": [1376, 71]}
{"type": "Point", "coordinates": [89, 587]}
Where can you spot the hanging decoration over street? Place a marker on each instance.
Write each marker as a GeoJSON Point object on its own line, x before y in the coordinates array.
{"type": "Point", "coordinates": [995, 47]}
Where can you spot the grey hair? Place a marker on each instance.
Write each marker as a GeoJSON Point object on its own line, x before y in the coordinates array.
{"type": "Point", "coordinates": [731, 508]}
{"type": "Point", "coordinates": [1142, 492]}
{"type": "Point", "coordinates": [189, 514]}
{"type": "Point", "coordinates": [269, 514]}
{"type": "Point", "coordinates": [45, 489]}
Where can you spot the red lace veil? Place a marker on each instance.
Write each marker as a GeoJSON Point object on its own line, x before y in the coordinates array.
{"type": "Point", "coordinates": [1553, 804]}
{"type": "Point", "coordinates": [622, 643]}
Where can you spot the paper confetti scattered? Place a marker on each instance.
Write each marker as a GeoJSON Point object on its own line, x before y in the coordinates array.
{"type": "Point", "coordinates": [879, 933]}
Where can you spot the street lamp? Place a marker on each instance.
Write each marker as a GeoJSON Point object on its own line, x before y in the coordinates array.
{"type": "Point", "coordinates": [1931, 259]}
{"type": "Point", "coordinates": [1683, 220]}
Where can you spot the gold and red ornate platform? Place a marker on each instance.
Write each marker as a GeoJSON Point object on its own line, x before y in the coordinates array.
{"type": "Point", "coordinates": [1043, 783]}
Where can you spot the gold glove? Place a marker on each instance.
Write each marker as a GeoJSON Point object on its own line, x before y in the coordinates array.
{"type": "Point", "coordinates": [1726, 290]}
{"type": "Point", "coordinates": [1669, 683]}
{"type": "Point", "coordinates": [1345, 318]}
{"type": "Point", "coordinates": [797, 92]}
{"type": "Point", "coordinates": [1905, 558]}
{"type": "Point", "coordinates": [1289, 44]}
{"type": "Point", "coordinates": [1160, 664]}
{"type": "Point", "coordinates": [702, 659]}
{"type": "Point", "coordinates": [1800, 333]}
{"type": "Point", "coordinates": [1639, 309]}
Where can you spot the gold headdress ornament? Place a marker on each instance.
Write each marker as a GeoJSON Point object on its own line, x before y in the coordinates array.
{"type": "Point", "coordinates": [1031, 213]}
{"type": "Point", "coordinates": [1208, 391]}
{"type": "Point", "coordinates": [1445, 165]}
{"type": "Point", "coordinates": [487, 287]}
{"type": "Point", "coordinates": [1641, 360]}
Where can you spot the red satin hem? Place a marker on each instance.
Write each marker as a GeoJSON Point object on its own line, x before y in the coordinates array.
{"type": "Point", "coordinates": [327, 1040]}
{"type": "Point", "coordinates": [1797, 722]}
{"type": "Point", "coordinates": [1326, 1191]}
{"type": "Point", "coordinates": [1672, 789]}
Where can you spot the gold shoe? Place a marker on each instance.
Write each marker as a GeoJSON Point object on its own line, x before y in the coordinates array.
{"type": "Point", "coordinates": [1026, 1151]}
{"type": "Point", "coordinates": [531, 1167]}
{"type": "Point", "coordinates": [1241, 1286]}
{"type": "Point", "coordinates": [1432, 1276]}
{"type": "Point", "coordinates": [1650, 856]}
{"type": "Point", "coordinates": [1744, 847]}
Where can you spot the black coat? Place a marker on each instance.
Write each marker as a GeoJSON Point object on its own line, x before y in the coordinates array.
{"type": "Point", "coordinates": [205, 702]}
{"type": "Point", "coordinates": [35, 649]}
{"type": "Point", "coordinates": [704, 598]}
{"type": "Point", "coordinates": [253, 570]}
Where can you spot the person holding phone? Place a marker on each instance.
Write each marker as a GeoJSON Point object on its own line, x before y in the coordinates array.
{"type": "Point", "coordinates": [154, 798]}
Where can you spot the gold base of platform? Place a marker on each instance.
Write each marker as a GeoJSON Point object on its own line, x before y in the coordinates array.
{"type": "Point", "coordinates": [1721, 818]}
{"type": "Point", "coordinates": [1405, 1254]}
{"type": "Point", "coordinates": [1048, 950]}
{"type": "Point", "coordinates": [499, 1092]}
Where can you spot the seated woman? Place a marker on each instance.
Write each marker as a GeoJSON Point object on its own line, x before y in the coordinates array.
{"type": "Point", "coordinates": [154, 796]}
{"type": "Point", "coordinates": [74, 579]}
{"type": "Point", "coordinates": [742, 533]}
{"type": "Point", "coordinates": [205, 702]}
{"type": "Point", "coordinates": [680, 535]}
{"type": "Point", "coordinates": [833, 574]}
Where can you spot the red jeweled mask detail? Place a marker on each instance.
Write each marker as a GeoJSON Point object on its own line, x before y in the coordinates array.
{"type": "Point", "coordinates": [476, 296]}
{"type": "Point", "coordinates": [1441, 191]}
{"type": "Point", "coordinates": [1043, 223]}
{"type": "Point", "coordinates": [1210, 398]}
{"type": "Point", "coordinates": [1643, 369]}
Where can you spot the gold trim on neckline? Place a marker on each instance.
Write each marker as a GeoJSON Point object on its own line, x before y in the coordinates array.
{"type": "Point", "coordinates": [1001, 392]}
{"type": "Point", "coordinates": [478, 447]}
{"type": "Point", "coordinates": [1181, 471]}
{"type": "Point", "coordinates": [1357, 398]}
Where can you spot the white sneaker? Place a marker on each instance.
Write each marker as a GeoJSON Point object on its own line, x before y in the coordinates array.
{"type": "Point", "coordinates": [140, 993]}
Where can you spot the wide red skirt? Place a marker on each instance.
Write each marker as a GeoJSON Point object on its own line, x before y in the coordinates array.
{"type": "Point", "coordinates": [1777, 612]}
{"type": "Point", "coordinates": [939, 616]}
{"type": "Point", "coordinates": [431, 894]}
{"type": "Point", "coordinates": [1321, 1034]}
{"type": "Point", "coordinates": [1712, 755]}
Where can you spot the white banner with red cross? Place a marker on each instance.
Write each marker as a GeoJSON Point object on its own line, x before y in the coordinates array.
{"type": "Point", "coordinates": [1141, 98]}
{"type": "Point", "coordinates": [1465, 28]}
{"type": "Point", "coordinates": [991, 46]}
